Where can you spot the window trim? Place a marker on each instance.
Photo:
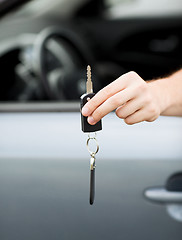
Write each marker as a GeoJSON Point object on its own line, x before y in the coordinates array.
{"type": "Point", "coordinates": [40, 107]}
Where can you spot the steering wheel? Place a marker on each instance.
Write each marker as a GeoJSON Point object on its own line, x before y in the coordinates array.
{"type": "Point", "coordinates": [66, 79]}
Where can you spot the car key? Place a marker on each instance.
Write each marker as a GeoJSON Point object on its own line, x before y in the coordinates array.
{"type": "Point", "coordinates": [86, 127]}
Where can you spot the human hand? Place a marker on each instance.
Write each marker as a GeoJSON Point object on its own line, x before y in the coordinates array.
{"type": "Point", "coordinates": [133, 98]}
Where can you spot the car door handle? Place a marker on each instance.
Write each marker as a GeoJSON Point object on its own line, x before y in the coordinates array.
{"type": "Point", "coordinates": [161, 195]}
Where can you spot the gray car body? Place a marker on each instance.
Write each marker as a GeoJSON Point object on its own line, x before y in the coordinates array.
{"type": "Point", "coordinates": [44, 178]}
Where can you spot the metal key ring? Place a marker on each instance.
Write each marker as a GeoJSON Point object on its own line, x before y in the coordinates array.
{"type": "Point", "coordinates": [92, 135]}
{"type": "Point", "coordinates": [92, 153]}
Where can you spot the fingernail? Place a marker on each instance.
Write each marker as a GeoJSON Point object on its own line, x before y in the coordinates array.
{"type": "Point", "coordinates": [91, 120]}
{"type": "Point", "coordinates": [85, 111]}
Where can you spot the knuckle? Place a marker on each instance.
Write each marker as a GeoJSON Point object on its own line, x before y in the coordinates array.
{"type": "Point", "coordinates": [153, 113]}
{"type": "Point", "coordinates": [129, 121]}
{"type": "Point", "coordinates": [138, 83]}
{"type": "Point", "coordinates": [121, 113]}
{"type": "Point", "coordinates": [133, 77]}
{"type": "Point", "coordinates": [153, 110]}
{"type": "Point", "coordinates": [148, 99]}
{"type": "Point", "coordinates": [132, 74]}
{"type": "Point", "coordinates": [152, 119]}
{"type": "Point", "coordinates": [141, 87]}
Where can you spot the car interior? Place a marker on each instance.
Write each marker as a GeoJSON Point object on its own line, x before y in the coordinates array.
{"type": "Point", "coordinates": [44, 53]}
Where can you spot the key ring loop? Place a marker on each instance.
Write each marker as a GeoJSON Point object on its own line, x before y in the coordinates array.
{"type": "Point", "coordinates": [92, 153]}
{"type": "Point", "coordinates": [92, 135]}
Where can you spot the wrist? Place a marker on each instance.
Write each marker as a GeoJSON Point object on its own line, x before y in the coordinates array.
{"type": "Point", "coordinates": [160, 91]}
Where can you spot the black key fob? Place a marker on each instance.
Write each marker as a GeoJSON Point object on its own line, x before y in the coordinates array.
{"type": "Point", "coordinates": [92, 186]}
{"type": "Point", "coordinates": [86, 127]}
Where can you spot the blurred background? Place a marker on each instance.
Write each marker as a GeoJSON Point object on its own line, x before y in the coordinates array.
{"type": "Point", "coordinates": [45, 47]}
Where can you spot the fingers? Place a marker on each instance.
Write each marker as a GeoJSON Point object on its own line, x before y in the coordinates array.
{"type": "Point", "coordinates": [130, 107]}
{"type": "Point", "coordinates": [111, 104]}
{"type": "Point", "coordinates": [146, 113]}
{"type": "Point", "coordinates": [136, 117]}
{"type": "Point", "coordinates": [129, 95]}
{"type": "Point", "coordinates": [118, 85]}
{"type": "Point", "coordinates": [140, 116]}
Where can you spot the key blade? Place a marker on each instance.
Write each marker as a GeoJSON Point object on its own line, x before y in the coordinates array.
{"type": "Point", "coordinates": [89, 80]}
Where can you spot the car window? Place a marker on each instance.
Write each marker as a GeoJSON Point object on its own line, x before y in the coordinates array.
{"type": "Point", "coordinates": [59, 8]}
{"type": "Point", "coordinates": [111, 47]}
{"type": "Point", "coordinates": [142, 8]}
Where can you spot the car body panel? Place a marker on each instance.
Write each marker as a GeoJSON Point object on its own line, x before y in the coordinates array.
{"type": "Point", "coordinates": [44, 178]}
{"type": "Point", "coordinates": [45, 135]}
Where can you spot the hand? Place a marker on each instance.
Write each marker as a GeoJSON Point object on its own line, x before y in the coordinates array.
{"type": "Point", "coordinates": [133, 98]}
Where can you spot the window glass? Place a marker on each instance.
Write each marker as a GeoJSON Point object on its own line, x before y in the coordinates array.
{"type": "Point", "coordinates": [142, 8]}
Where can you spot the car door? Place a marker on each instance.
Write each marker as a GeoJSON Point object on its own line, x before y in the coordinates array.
{"type": "Point", "coordinates": [45, 178]}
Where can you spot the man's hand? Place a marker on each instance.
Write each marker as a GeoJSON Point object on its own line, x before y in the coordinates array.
{"type": "Point", "coordinates": [133, 98]}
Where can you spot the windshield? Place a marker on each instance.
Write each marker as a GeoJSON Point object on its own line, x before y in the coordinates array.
{"type": "Point", "coordinates": [34, 8]}
{"type": "Point", "coordinates": [142, 8]}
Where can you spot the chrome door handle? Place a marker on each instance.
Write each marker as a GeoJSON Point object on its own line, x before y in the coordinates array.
{"type": "Point", "coordinates": [161, 195]}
